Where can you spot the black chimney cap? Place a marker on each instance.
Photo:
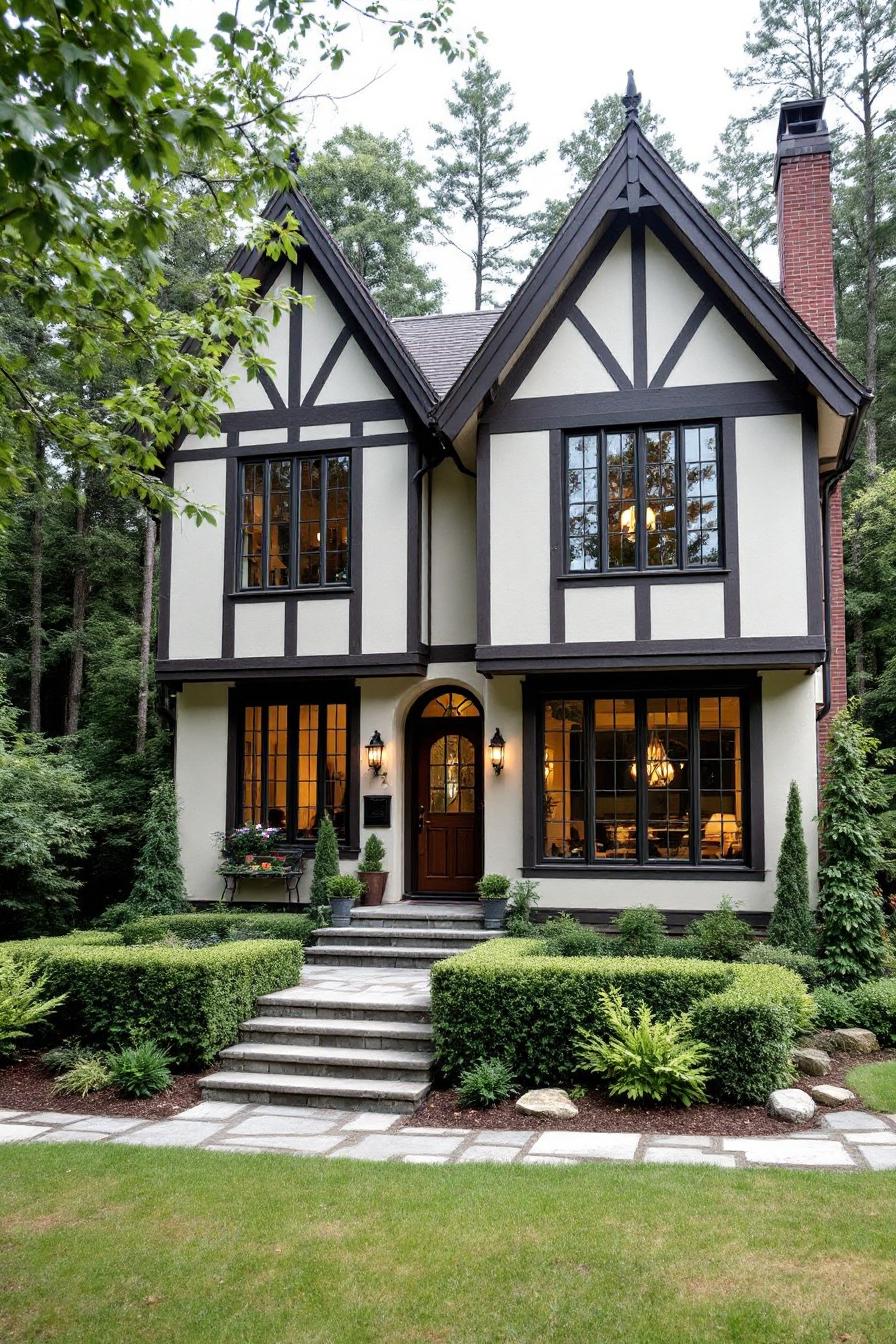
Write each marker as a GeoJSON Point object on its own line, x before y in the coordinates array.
{"type": "Point", "coordinates": [802, 116]}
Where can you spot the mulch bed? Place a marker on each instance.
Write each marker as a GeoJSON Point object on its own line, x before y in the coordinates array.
{"type": "Point", "coordinates": [596, 1112]}
{"type": "Point", "coordinates": [27, 1086]}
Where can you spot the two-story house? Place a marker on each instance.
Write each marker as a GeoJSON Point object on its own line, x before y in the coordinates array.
{"type": "Point", "coordinates": [575, 564]}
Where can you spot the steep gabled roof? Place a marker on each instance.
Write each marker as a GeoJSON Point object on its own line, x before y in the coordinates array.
{"type": "Point", "coordinates": [443, 344]}
{"type": "Point", "coordinates": [351, 291]}
{"type": "Point", "coordinates": [635, 178]}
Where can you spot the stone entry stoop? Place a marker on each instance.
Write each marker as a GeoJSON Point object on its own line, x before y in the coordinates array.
{"type": "Point", "coordinates": [356, 1034]}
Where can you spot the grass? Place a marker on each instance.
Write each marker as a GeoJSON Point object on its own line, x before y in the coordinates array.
{"type": "Point", "coordinates": [105, 1244]}
{"type": "Point", "coordinates": [875, 1084]}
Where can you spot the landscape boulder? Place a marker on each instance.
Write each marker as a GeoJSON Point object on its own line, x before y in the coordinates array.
{"type": "Point", "coordinates": [552, 1101]}
{"type": "Point", "coordinates": [825, 1094]}
{"type": "Point", "coordinates": [791, 1104]}
{"type": "Point", "coordinates": [815, 1062]}
{"type": "Point", "coordinates": [855, 1040]}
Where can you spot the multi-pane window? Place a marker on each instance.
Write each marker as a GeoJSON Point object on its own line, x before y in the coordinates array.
{"type": "Point", "coordinates": [294, 522]}
{"type": "Point", "coordinates": [294, 766]}
{"type": "Point", "coordinates": [642, 499]}
{"type": "Point", "coordinates": [643, 778]}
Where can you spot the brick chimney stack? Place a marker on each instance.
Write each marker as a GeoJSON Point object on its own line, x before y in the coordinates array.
{"type": "Point", "coordinates": [806, 251]}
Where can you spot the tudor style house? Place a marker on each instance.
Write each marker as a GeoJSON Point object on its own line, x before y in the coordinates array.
{"type": "Point", "coordinates": [576, 564]}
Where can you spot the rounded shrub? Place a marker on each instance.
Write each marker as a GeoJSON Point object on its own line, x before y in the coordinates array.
{"type": "Point", "coordinates": [721, 934]}
{"type": "Point", "coordinates": [833, 1008]}
{"type": "Point", "coordinates": [640, 932]}
{"type": "Point", "coordinates": [763, 954]}
{"type": "Point", "coordinates": [875, 1008]}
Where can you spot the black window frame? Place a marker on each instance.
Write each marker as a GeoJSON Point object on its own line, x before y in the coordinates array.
{"type": "Point", "coordinates": [641, 567]}
{"type": "Point", "coordinates": [640, 689]}
{"type": "Point", "coordinates": [266, 589]}
{"type": "Point", "coordinates": [292, 696]}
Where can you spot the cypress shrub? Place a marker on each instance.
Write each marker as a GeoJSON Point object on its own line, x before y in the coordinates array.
{"type": "Point", "coordinates": [159, 887]}
{"type": "Point", "coordinates": [326, 865]}
{"type": "Point", "coordinates": [792, 925]}
{"type": "Point", "coordinates": [850, 911]}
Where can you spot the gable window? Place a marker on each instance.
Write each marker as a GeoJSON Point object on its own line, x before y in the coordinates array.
{"type": "Point", "coordinates": [643, 499]}
{"type": "Point", "coordinates": [294, 764]}
{"type": "Point", "coordinates": [644, 779]}
{"type": "Point", "coordinates": [294, 522]}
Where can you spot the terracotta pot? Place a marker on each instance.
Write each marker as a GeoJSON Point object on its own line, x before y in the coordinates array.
{"type": "Point", "coordinates": [374, 886]}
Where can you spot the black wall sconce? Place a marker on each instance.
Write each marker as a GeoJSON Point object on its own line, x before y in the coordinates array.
{"type": "Point", "coordinates": [496, 752]}
{"type": "Point", "coordinates": [375, 753]}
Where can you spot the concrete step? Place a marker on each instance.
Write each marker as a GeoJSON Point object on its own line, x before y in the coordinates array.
{"type": "Point", "coordinates": [338, 1032]}
{"type": "Point", "coordinates": [361, 1007]}
{"type": "Point", "coordinates": [398, 915]}
{"type": "Point", "coordinates": [410, 958]}
{"type": "Point", "coordinates": [295, 1089]}
{"type": "Point", "coordinates": [328, 1061]}
{"type": "Point", "coordinates": [367, 935]}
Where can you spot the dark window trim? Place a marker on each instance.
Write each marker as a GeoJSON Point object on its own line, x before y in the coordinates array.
{"type": "Point", "coordinates": [293, 589]}
{"type": "Point", "coordinates": [308, 692]}
{"type": "Point", "coordinates": [641, 569]}
{"type": "Point", "coordinates": [535, 692]}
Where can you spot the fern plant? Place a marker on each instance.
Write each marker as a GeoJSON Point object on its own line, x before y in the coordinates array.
{"type": "Point", "coordinates": [486, 1083]}
{"type": "Point", "coordinates": [140, 1070]}
{"type": "Point", "coordinates": [645, 1060]}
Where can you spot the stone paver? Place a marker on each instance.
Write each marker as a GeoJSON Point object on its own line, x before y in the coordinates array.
{"type": "Point", "coordinates": [214, 1110]}
{"type": "Point", "coordinates": [110, 1124]}
{"type": "Point", "coordinates": [372, 1122]}
{"type": "Point", "coordinates": [18, 1133]}
{"type": "Point", "coordinates": [853, 1120]}
{"type": "Point", "coordinates": [307, 1145]}
{"type": "Point", "coordinates": [10, 1115]}
{"type": "Point", "coordinates": [381, 1147]}
{"type": "Point", "coordinates": [516, 1137]}
{"type": "Point", "coordinates": [878, 1157]}
{"type": "Point", "coordinates": [790, 1152]}
{"type": "Point", "coordinates": [73, 1134]}
{"type": "Point", "coordinates": [284, 1126]}
{"type": "Point", "coordinates": [581, 1143]}
{"type": "Point", "coordinates": [490, 1152]}
{"type": "Point", "coordinates": [54, 1118]}
{"type": "Point", "coordinates": [689, 1157]}
{"type": "Point", "coordinates": [170, 1133]}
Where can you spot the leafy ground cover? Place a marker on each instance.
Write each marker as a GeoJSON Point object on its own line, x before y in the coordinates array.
{"type": "Point", "coordinates": [875, 1084]}
{"type": "Point", "coordinates": [107, 1244]}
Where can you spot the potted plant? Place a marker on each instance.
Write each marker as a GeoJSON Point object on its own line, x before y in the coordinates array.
{"type": "Point", "coordinates": [343, 890]}
{"type": "Point", "coordinates": [493, 889]}
{"type": "Point", "coordinates": [370, 871]}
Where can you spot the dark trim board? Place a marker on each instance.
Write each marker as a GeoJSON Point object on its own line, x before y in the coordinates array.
{"type": "Point", "coordinates": [400, 664]}
{"type": "Point", "coordinates": [682, 341]}
{"type": "Point", "coordinates": [728, 497]}
{"type": "Point", "coordinates": [483, 535]}
{"type": "Point", "coordinates": [452, 653]}
{"type": "Point", "coordinates": [677, 921]}
{"type": "Point", "coordinates": [812, 507]}
{"type": "Point", "coordinates": [780, 652]}
{"type": "Point", "coordinates": [557, 506]}
{"type": "Point", "coordinates": [356, 505]}
{"type": "Point", "coordinates": [292, 446]}
{"type": "Point", "coordinates": [231, 511]}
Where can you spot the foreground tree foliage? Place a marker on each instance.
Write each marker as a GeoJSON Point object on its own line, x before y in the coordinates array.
{"type": "Point", "coordinates": [855, 791]}
{"type": "Point", "coordinates": [159, 887]}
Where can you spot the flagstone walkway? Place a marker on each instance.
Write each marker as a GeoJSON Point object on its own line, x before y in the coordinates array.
{"type": "Point", "coordinates": [848, 1140]}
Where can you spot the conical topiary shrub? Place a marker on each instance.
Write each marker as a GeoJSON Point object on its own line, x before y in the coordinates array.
{"type": "Point", "coordinates": [326, 865]}
{"type": "Point", "coordinates": [792, 924]}
{"type": "Point", "coordinates": [159, 887]}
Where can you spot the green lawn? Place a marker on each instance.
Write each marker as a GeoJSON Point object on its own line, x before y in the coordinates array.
{"type": "Point", "coordinates": [875, 1084]}
{"type": "Point", "coordinates": [103, 1245]}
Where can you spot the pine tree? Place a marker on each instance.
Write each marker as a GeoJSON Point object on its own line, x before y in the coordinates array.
{"type": "Point", "coordinates": [849, 908]}
{"type": "Point", "coordinates": [480, 158]}
{"type": "Point", "coordinates": [738, 190]}
{"type": "Point", "coordinates": [326, 864]}
{"type": "Point", "coordinates": [159, 887]}
{"type": "Point", "coordinates": [791, 922]}
{"type": "Point", "coordinates": [367, 190]}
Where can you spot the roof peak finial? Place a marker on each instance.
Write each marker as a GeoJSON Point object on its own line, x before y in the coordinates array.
{"type": "Point", "coordinates": [631, 99]}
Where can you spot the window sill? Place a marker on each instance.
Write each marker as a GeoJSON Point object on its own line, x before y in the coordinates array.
{"type": "Point", "coordinates": [273, 594]}
{"type": "Point", "coordinates": [703, 872]}
{"type": "Point", "coordinates": [626, 576]}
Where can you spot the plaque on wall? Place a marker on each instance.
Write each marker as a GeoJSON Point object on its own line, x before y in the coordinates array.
{"type": "Point", "coordinates": [377, 810]}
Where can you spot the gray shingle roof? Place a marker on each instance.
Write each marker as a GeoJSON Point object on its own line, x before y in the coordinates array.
{"type": "Point", "coordinates": [444, 343]}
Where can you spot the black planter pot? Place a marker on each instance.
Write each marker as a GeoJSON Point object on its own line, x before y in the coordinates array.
{"type": "Point", "coordinates": [340, 911]}
{"type": "Point", "coordinates": [493, 911]}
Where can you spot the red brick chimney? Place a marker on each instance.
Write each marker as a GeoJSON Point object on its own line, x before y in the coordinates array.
{"type": "Point", "coordinates": [806, 250]}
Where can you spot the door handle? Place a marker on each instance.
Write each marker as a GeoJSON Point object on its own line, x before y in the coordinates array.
{"type": "Point", "coordinates": [421, 812]}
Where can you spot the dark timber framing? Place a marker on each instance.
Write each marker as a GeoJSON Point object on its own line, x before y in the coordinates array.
{"type": "Point", "coordinates": [538, 689]}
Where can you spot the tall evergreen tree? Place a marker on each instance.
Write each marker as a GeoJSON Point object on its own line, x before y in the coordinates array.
{"type": "Point", "coordinates": [739, 189]}
{"type": "Point", "coordinates": [159, 887]}
{"type": "Point", "coordinates": [368, 189]}
{"type": "Point", "coordinates": [791, 924]}
{"type": "Point", "coordinates": [326, 865]}
{"type": "Point", "coordinates": [850, 914]}
{"type": "Point", "coordinates": [794, 51]}
{"type": "Point", "coordinates": [480, 158]}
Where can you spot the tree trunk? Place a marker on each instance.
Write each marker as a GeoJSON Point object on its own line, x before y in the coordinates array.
{"type": "Point", "coordinates": [79, 617]}
{"type": "Point", "coordinates": [149, 563]}
{"type": "Point", "coordinates": [872, 263]}
{"type": "Point", "coordinates": [37, 588]}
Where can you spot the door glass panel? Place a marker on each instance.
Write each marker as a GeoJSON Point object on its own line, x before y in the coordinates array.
{"type": "Point", "coordinates": [452, 774]}
{"type": "Point", "coordinates": [277, 756]}
{"type": "Point", "coordinates": [252, 731]}
{"type": "Point", "coordinates": [702, 486]}
{"type": "Point", "coordinates": [564, 793]}
{"type": "Point", "coordinates": [306, 771]}
{"type": "Point", "coordinates": [661, 481]}
{"type": "Point", "coordinates": [622, 510]}
{"type": "Point", "coordinates": [451, 705]}
{"type": "Point", "coordinates": [668, 779]}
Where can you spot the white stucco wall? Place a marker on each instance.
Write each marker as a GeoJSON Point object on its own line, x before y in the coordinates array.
{"type": "Point", "coordinates": [606, 301]}
{"type": "Point", "coordinates": [322, 627]}
{"type": "Point", "coordinates": [200, 767]}
{"type": "Point", "coordinates": [453, 556]}
{"type": "Point", "coordinates": [716, 354]}
{"type": "Point", "coordinates": [258, 629]}
{"type": "Point", "coordinates": [385, 549]}
{"type": "Point", "coordinates": [601, 613]}
{"type": "Point", "coordinates": [197, 564]}
{"type": "Point", "coordinates": [671, 298]}
{"type": "Point", "coordinates": [771, 526]}
{"type": "Point", "coordinates": [520, 538]}
{"type": "Point", "coordinates": [687, 611]}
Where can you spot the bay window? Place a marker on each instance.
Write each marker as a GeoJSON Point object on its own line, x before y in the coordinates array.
{"type": "Point", "coordinates": [642, 779]}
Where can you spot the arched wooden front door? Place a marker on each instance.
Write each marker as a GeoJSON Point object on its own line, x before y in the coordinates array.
{"type": "Point", "coordinates": [446, 812]}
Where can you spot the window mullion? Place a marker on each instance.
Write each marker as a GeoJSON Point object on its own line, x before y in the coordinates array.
{"type": "Point", "coordinates": [321, 762]}
{"type": "Point", "coordinates": [294, 476]}
{"type": "Point", "coordinates": [694, 782]}
{"type": "Point", "coordinates": [603, 512]}
{"type": "Point", "coordinates": [641, 501]}
{"type": "Point", "coordinates": [324, 489]}
{"type": "Point", "coordinates": [681, 502]}
{"type": "Point", "coordinates": [263, 790]}
{"type": "Point", "coordinates": [292, 748]}
{"type": "Point", "coordinates": [641, 777]}
{"type": "Point", "coordinates": [589, 779]}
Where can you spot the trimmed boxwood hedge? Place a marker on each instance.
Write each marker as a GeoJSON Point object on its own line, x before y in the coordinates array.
{"type": "Point", "coordinates": [153, 928]}
{"type": "Point", "coordinates": [190, 1001]}
{"type": "Point", "coordinates": [503, 1000]}
{"type": "Point", "coordinates": [875, 1008]}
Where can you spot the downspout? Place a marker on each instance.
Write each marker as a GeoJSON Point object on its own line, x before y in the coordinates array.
{"type": "Point", "coordinates": [827, 490]}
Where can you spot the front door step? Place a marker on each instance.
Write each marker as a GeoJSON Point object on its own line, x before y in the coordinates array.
{"type": "Point", "coordinates": [293, 1089]}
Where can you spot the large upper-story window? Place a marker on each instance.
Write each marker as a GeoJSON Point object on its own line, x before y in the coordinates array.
{"type": "Point", "coordinates": [294, 522]}
{"type": "Point", "coordinates": [643, 499]}
{"type": "Point", "coordinates": [643, 779]}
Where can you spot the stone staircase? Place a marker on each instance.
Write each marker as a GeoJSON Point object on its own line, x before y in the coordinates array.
{"type": "Point", "coordinates": [355, 1035]}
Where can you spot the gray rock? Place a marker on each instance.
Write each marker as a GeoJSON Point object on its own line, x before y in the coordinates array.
{"type": "Point", "coordinates": [547, 1101]}
{"type": "Point", "coordinates": [855, 1040]}
{"type": "Point", "coordinates": [825, 1094]}
{"type": "Point", "coordinates": [819, 1040]}
{"type": "Point", "coordinates": [815, 1062]}
{"type": "Point", "coordinates": [789, 1103]}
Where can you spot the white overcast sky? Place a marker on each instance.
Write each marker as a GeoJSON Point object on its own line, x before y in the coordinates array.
{"type": "Point", "coordinates": [558, 56]}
